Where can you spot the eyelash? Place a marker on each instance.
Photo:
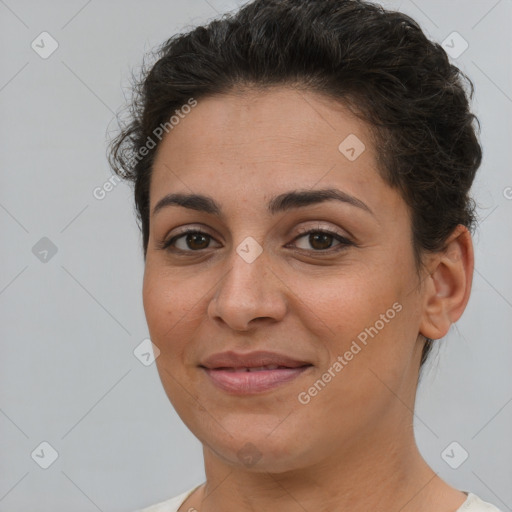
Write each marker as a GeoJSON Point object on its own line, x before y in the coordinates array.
{"type": "Point", "coordinates": [344, 242]}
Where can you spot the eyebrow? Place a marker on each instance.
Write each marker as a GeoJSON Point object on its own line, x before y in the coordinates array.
{"type": "Point", "coordinates": [283, 202]}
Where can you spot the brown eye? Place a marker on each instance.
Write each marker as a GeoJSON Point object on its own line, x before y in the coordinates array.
{"type": "Point", "coordinates": [197, 240]}
{"type": "Point", "coordinates": [322, 240]}
{"type": "Point", "coordinates": [189, 241]}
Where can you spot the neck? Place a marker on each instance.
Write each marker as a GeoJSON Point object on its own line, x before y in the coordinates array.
{"type": "Point", "coordinates": [381, 470]}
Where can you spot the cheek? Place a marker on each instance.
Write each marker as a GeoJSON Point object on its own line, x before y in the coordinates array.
{"type": "Point", "coordinates": [369, 360]}
{"type": "Point", "coordinates": [169, 307]}
{"type": "Point", "coordinates": [366, 319]}
{"type": "Point", "coordinates": [343, 306]}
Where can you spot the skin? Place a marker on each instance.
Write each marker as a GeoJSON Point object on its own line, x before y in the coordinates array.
{"type": "Point", "coordinates": [352, 446]}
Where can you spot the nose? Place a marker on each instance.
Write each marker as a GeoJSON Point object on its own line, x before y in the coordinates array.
{"type": "Point", "coordinates": [249, 293]}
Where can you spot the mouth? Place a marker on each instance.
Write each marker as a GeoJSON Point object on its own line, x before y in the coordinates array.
{"type": "Point", "coordinates": [256, 368]}
{"type": "Point", "coordinates": [252, 373]}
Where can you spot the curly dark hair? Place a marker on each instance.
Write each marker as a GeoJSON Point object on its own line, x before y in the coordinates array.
{"type": "Point", "coordinates": [376, 62]}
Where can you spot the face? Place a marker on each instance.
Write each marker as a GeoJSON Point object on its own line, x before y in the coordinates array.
{"type": "Point", "coordinates": [327, 284]}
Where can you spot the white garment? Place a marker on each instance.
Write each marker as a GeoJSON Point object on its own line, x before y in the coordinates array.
{"type": "Point", "coordinates": [472, 504]}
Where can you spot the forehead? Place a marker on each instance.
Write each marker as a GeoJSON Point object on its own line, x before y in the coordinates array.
{"type": "Point", "coordinates": [268, 141]}
{"type": "Point", "coordinates": [278, 119]}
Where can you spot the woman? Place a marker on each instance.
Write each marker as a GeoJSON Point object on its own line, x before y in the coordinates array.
{"type": "Point", "coordinates": [301, 174]}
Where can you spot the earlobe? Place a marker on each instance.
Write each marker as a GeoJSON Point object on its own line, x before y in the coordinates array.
{"type": "Point", "coordinates": [448, 285]}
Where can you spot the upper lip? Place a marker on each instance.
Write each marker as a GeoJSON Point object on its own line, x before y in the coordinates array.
{"type": "Point", "coordinates": [232, 359]}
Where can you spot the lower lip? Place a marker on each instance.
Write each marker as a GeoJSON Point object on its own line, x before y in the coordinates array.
{"type": "Point", "coordinates": [247, 383]}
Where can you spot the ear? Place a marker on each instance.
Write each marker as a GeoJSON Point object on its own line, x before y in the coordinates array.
{"type": "Point", "coordinates": [448, 285]}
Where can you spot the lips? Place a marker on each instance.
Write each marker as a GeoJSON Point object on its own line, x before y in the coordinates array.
{"type": "Point", "coordinates": [251, 373]}
{"type": "Point", "coordinates": [251, 361]}
{"type": "Point", "coordinates": [253, 369]}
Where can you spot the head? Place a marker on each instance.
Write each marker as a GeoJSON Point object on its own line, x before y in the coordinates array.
{"type": "Point", "coordinates": [343, 96]}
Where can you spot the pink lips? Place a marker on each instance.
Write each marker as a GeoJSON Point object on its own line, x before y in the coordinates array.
{"type": "Point", "coordinates": [252, 372]}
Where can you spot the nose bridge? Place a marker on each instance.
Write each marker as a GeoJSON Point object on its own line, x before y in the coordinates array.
{"type": "Point", "coordinates": [247, 273]}
{"type": "Point", "coordinates": [248, 290]}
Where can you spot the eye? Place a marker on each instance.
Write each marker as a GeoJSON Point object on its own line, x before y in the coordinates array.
{"type": "Point", "coordinates": [322, 239]}
{"type": "Point", "coordinates": [194, 240]}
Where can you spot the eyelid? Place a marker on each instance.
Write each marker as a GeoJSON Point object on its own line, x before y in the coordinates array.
{"type": "Point", "coordinates": [190, 228]}
{"type": "Point", "coordinates": [323, 229]}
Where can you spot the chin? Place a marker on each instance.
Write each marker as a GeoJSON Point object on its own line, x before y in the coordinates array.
{"type": "Point", "coordinates": [257, 448]}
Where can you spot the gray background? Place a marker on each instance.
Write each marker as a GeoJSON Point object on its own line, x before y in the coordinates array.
{"type": "Point", "coordinates": [69, 325]}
